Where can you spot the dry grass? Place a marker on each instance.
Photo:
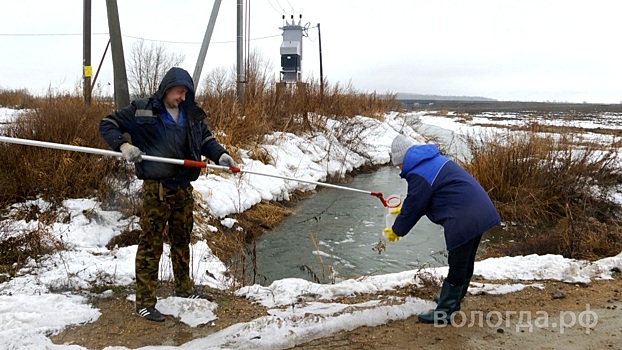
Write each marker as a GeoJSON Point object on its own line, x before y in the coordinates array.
{"type": "Point", "coordinates": [326, 272]}
{"type": "Point", "coordinates": [546, 186]}
{"type": "Point", "coordinates": [29, 172]}
{"type": "Point", "coordinates": [18, 247]}
{"type": "Point", "coordinates": [17, 99]}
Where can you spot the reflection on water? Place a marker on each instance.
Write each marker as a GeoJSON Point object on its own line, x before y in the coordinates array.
{"type": "Point", "coordinates": [335, 232]}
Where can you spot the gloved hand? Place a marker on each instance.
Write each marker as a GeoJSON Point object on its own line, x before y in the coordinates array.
{"type": "Point", "coordinates": [131, 153]}
{"type": "Point", "coordinates": [396, 210]}
{"type": "Point", "coordinates": [391, 236]}
{"type": "Point", "coordinates": [226, 160]}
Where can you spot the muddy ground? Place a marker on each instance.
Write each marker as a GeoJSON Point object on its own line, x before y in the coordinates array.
{"type": "Point", "coordinates": [601, 330]}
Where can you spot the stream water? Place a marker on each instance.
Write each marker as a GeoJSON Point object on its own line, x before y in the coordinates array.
{"type": "Point", "coordinates": [334, 234]}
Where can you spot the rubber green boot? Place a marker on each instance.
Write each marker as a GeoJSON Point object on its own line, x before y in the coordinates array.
{"type": "Point", "coordinates": [449, 302]}
{"type": "Point", "coordinates": [465, 289]}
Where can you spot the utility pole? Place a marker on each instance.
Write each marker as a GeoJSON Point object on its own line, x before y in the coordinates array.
{"type": "Point", "coordinates": [240, 63]}
{"type": "Point", "coordinates": [319, 39]}
{"type": "Point", "coordinates": [196, 76]}
{"type": "Point", "coordinates": [87, 70]}
{"type": "Point", "coordinates": [121, 91]}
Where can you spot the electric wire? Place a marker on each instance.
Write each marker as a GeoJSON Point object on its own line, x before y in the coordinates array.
{"type": "Point", "coordinates": [142, 38]}
{"type": "Point", "coordinates": [48, 34]}
{"type": "Point", "coordinates": [292, 7]}
{"type": "Point", "coordinates": [281, 7]}
{"type": "Point", "coordinates": [274, 8]}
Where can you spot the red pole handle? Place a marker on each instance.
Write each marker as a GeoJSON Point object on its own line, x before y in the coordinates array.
{"type": "Point", "coordinates": [379, 195]}
{"type": "Point", "coordinates": [194, 163]}
{"type": "Point", "coordinates": [199, 164]}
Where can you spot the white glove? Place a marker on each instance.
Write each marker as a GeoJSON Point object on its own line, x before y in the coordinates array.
{"type": "Point", "coordinates": [131, 153]}
{"type": "Point", "coordinates": [226, 160]}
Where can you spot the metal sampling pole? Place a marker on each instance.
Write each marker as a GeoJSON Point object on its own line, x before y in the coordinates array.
{"type": "Point", "coordinates": [184, 162]}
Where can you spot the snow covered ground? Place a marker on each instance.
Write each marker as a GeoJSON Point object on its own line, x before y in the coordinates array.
{"type": "Point", "coordinates": [50, 295]}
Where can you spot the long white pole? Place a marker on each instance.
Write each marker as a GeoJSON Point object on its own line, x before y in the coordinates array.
{"type": "Point", "coordinates": [305, 181]}
{"type": "Point", "coordinates": [184, 162]}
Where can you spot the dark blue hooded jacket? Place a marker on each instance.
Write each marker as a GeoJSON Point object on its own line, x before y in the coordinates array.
{"type": "Point", "coordinates": [446, 194]}
{"type": "Point", "coordinates": [154, 132]}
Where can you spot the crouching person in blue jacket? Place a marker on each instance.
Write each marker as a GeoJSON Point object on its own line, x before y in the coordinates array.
{"type": "Point", "coordinates": [449, 196]}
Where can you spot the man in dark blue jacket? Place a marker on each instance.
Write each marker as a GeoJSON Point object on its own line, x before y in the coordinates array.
{"type": "Point", "coordinates": [448, 196]}
{"type": "Point", "coordinates": [168, 124]}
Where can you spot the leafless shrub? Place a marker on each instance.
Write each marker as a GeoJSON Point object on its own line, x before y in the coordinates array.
{"type": "Point", "coordinates": [147, 65]}
{"type": "Point", "coordinates": [426, 279]}
{"type": "Point", "coordinates": [18, 247]}
{"type": "Point", "coordinates": [54, 175]}
{"type": "Point", "coordinates": [557, 192]}
{"type": "Point", "coordinates": [16, 98]}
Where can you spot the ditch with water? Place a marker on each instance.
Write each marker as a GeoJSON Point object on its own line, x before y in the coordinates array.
{"type": "Point", "coordinates": [335, 233]}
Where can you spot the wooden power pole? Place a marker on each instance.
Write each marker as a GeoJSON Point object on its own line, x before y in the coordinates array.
{"type": "Point", "coordinates": [87, 70]}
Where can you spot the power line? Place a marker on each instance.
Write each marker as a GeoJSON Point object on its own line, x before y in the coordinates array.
{"type": "Point", "coordinates": [292, 7]}
{"type": "Point", "coordinates": [135, 37]}
{"type": "Point", "coordinates": [274, 8]}
{"type": "Point", "coordinates": [47, 34]}
{"type": "Point", "coordinates": [281, 7]}
{"type": "Point", "coordinates": [196, 42]}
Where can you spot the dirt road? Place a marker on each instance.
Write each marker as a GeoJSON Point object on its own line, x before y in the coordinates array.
{"type": "Point", "coordinates": [558, 316]}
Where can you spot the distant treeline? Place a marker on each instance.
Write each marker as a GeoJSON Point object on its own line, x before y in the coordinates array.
{"type": "Point", "coordinates": [408, 96]}
{"type": "Point", "coordinates": [517, 106]}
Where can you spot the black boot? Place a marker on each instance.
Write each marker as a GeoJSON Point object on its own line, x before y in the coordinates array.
{"type": "Point", "coordinates": [465, 290]}
{"type": "Point", "coordinates": [449, 302]}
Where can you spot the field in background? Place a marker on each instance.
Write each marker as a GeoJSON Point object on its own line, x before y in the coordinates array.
{"type": "Point", "coordinates": [553, 171]}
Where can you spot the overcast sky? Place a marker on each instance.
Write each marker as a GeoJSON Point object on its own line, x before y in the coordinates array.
{"type": "Point", "coordinates": [528, 50]}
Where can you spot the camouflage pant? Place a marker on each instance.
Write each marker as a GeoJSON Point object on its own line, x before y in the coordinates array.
{"type": "Point", "coordinates": [162, 206]}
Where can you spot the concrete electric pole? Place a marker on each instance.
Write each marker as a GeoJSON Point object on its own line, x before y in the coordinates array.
{"type": "Point", "coordinates": [205, 45]}
{"type": "Point", "coordinates": [121, 91]}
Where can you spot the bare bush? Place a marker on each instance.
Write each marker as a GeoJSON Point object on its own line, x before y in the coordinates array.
{"type": "Point", "coordinates": [16, 98]}
{"type": "Point", "coordinates": [147, 65]}
{"type": "Point", "coordinates": [29, 172]}
{"type": "Point", "coordinates": [19, 246]}
{"type": "Point", "coordinates": [556, 190]}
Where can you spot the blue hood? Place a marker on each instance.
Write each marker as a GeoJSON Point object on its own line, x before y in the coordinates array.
{"type": "Point", "coordinates": [418, 154]}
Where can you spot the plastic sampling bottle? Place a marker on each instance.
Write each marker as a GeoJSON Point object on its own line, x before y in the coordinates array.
{"type": "Point", "coordinates": [394, 203]}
